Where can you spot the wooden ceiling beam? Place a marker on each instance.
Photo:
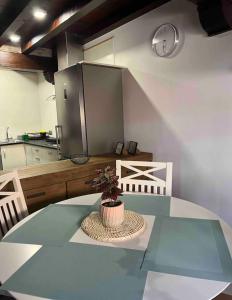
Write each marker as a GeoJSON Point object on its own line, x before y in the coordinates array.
{"type": "Point", "coordinates": [10, 12]}
{"type": "Point", "coordinates": [196, 1]}
{"type": "Point", "coordinates": [20, 61]}
{"type": "Point", "coordinates": [93, 19]}
{"type": "Point", "coordinates": [117, 19]}
{"type": "Point", "coordinates": [27, 27]}
{"type": "Point", "coordinates": [60, 24]}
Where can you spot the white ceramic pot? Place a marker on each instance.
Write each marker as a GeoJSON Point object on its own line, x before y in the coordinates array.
{"type": "Point", "coordinates": [112, 216]}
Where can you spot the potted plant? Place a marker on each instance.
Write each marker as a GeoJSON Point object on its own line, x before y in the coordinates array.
{"type": "Point", "coordinates": [111, 209]}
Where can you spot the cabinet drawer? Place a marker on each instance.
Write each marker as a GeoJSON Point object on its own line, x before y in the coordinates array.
{"type": "Point", "coordinates": [35, 150]}
{"type": "Point", "coordinates": [40, 197]}
{"type": "Point", "coordinates": [79, 187]}
{"type": "Point", "coordinates": [39, 155]}
{"type": "Point", "coordinates": [48, 155]}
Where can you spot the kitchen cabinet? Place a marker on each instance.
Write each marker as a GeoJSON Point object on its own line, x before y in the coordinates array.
{"type": "Point", "coordinates": [48, 155]}
{"type": "Point", "coordinates": [19, 155]}
{"type": "Point", "coordinates": [13, 156]}
{"type": "Point", "coordinates": [28, 155]}
{"type": "Point", "coordinates": [43, 184]}
{"type": "Point", "coordinates": [39, 155]}
{"type": "Point", "coordinates": [40, 197]}
{"type": "Point", "coordinates": [79, 187]}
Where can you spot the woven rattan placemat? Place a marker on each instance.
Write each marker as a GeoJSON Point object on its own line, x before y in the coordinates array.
{"type": "Point", "coordinates": [131, 227]}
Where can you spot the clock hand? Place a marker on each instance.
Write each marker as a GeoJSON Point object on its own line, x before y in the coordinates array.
{"type": "Point", "coordinates": [164, 46]}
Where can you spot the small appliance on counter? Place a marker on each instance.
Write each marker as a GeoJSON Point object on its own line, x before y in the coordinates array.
{"type": "Point", "coordinates": [41, 135]}
{"type": "Point", "coordinates": [50, 139]}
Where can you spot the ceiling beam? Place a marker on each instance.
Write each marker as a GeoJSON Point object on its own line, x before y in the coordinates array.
{"type": "Point", "coordinates": [10, 12]}
{"type": "Point", "coordinates": [196, 1]}
{"type": "Point", "coordinates": [118, 19]}
{"type": "Point", "coordinates": [27, 27]}
{"type": "Point", "coordinates": [26, 62]}
{"type": "Point", "coordinates": [93, 19]}
{"type": "Point", "coordinates": [60, 24]}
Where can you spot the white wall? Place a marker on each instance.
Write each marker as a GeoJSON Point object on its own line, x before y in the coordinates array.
{"type": "Point", "coordinates": [181, 109]}
{"type": "Point", "coordinates": [47, 104]}
{"type": "Point", "coordinates": [24, 103]}
{"type": "Point", "coordinates": [101, 53]}
{"type": "Point", "coordinates": [19, 105]}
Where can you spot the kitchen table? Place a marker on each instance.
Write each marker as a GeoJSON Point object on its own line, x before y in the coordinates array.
{"type": "Point", "coordinates": [166, 262]}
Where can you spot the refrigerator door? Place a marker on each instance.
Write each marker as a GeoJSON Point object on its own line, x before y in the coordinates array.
{"type": "Point", "coordinates": [70, 111]}
{"type": "Point", "coordinates": [103, 107]}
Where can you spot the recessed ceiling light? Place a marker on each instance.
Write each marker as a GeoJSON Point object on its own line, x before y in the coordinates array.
{"type": "Point", "coordinates": [15, 38]}
{"type": "Point", "coordinates": [39, 14]}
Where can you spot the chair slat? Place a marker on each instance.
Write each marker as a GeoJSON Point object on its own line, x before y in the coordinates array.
{"type": "Point", "coordinates": [3, 223]}
{"type": "Point", "coordinates": [161, 191]}
{"type": "Point", "coordinates": [20, 198]}
{"type": "Point", "coordinates": [1, 233]}
{"type": "Point", "coordinates": [12, 212]}
{"type": "Point", "coordinates": [12, 206]}
{"type": "Point", "coordinates": [18, 211]}
{"type": "Point", "coordinates": [155, 190]}
{"type": "Point", "coordinates": [9, 224]}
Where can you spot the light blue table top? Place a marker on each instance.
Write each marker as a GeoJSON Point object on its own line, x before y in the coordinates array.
{"type": "Point", "coordinates": [179, 244]}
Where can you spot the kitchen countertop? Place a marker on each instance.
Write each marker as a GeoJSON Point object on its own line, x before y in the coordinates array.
{"type": "Point", "coordinates": [52, 182]}
{"type": "Point", "coordinates": [62, 166]}
{"type": "Point", "coordinates": [55, 172]}
{"type": "Point", "coordinates": [39, 143]}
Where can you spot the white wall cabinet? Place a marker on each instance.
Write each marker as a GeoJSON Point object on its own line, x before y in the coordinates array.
{"type": "Point", "coordinates": [13, 156]}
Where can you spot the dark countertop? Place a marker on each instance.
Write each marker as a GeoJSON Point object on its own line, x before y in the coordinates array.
{"type": "Point", "coordinates": [39, 143]}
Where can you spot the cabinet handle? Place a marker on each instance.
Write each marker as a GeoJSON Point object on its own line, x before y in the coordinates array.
{"type": "Point", "coordinates": [4, 154]}
{"type": "Point", "coordinates": [36, 195]}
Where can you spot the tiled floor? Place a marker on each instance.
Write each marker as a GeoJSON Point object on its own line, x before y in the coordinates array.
{"type": "Point", "coordinates": [223, 297]}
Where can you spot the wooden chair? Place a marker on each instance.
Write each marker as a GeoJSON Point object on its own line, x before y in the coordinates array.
{"type": "Point", "coordinates": [142, 180]}
{"type": "Point", "coordinates": [13, 207]}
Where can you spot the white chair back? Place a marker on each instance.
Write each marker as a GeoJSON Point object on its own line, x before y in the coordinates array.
{"type": "Point", "coordinates": [13, 207]}
{"type": "Point", "coordinates": [155, 185]}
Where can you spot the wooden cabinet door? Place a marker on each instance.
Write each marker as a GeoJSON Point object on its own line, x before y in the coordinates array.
{"type": "Point", "coordinates": [79, 187]}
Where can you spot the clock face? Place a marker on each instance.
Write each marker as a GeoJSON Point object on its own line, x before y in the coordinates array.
{"type": "Point", "coordinates": [165, 40]}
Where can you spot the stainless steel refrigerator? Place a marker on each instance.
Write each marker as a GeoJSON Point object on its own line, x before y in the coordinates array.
{"type": "Point", "coordinates": [89, 109]}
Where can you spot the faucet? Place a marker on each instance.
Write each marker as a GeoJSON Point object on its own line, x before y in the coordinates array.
{"type": "Point", "coordinates": [7, 133]}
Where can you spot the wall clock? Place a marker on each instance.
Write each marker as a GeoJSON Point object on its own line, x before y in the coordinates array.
{"type": "Point", "coordinates": [165, 40]}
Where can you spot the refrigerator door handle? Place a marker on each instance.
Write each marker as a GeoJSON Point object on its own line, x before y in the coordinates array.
{"type": "Point", "coordinates": [58, 129]}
